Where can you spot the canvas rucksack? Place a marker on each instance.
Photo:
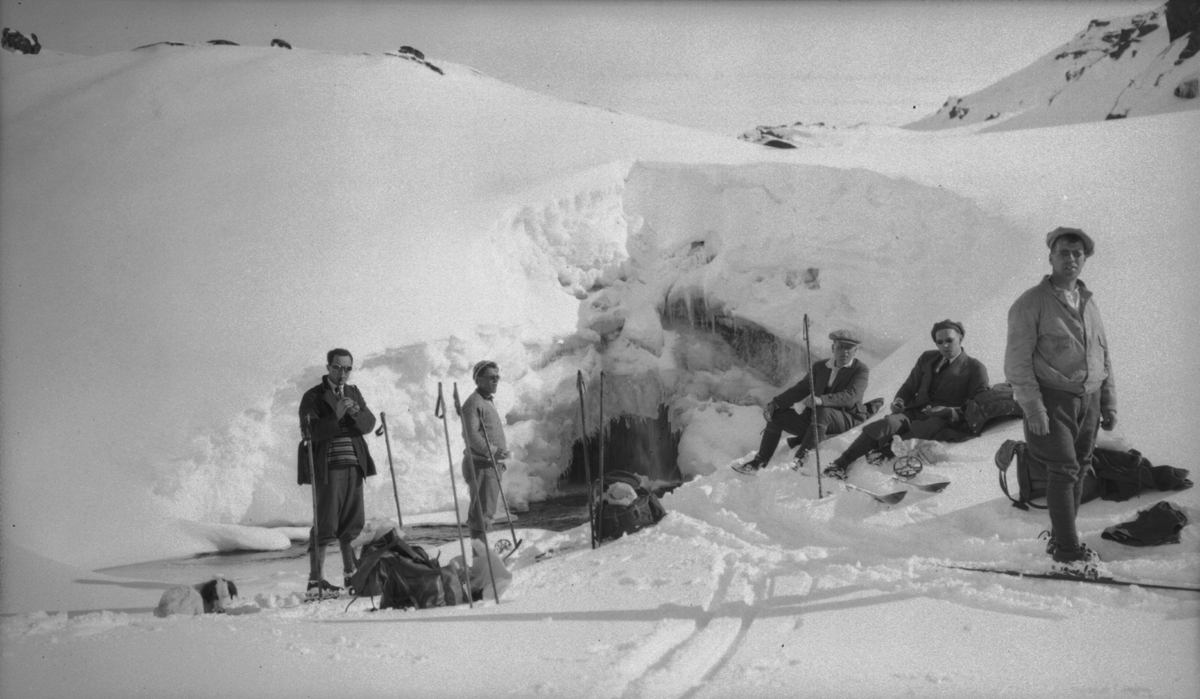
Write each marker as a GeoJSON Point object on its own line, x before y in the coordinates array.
{"type": "Point", "coordinates": [1031, 476]}
{"type": "Point", "coordinates": [403, 575]}
{"type": "Point", "coordinates": [995, 403]}
{"type": "Point", "coordinates": [1116, 475]}
{"type": "Point", "coordinates": [617, 520]}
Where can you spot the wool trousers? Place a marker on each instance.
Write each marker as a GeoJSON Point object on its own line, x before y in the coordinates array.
{"type": "Point", "coordinates": [484, 483]}
{"type": "Point", "coordinates": [1066, 452]}
{"type": "Point", "coordinates": [830, 421]}
{"type": "Point", "coordinates": [340, 517]}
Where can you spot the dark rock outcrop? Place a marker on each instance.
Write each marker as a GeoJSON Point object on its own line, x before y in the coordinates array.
{"type": "Point", "coordinates": [16, 42]}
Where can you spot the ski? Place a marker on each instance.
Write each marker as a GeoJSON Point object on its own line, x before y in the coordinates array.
{"type": "Point", "coordinates": [889, 499]}
{"type": "Point", "coordinates": [1102, 580]}
{"type": "Point", "coordinates": [927, 487]}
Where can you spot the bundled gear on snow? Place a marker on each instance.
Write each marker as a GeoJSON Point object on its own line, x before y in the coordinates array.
{"type": "Point", "coordinates": [403, 575]}
{"type": "Point", "coordinates": [996, 403]}
{"type": "Point", "coordinates": [617, 519]}
{"type": "Point", "coordinates": [1115, 475]}
{"type": "Point", "coordinates": [1154, 526]}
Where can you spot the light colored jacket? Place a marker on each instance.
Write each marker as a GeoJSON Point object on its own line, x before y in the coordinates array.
{"type": "Point", "coordinates": [479, 413]}
{"type": "Point", "coordinates": [1052, 345]}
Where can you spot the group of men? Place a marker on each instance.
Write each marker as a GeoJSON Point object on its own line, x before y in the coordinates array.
{"type": "Point", "coordinates": [334, 418]}
{"type": "Point", "coordinates": [1056, 359]}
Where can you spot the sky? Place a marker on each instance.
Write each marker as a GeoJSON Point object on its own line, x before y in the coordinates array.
{"type": "Point", "coordinates": [720, 66]}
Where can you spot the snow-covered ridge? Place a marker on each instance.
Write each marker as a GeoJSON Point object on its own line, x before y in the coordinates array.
{"type": "Point", "coordinates": [1116, 68]}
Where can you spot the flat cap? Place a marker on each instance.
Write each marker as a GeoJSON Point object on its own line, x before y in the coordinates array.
{"type": "Point", "coordinates": [947, 324]}
{"type": "Point", "coordinates": [1089, 245]}
{"type": "Point", "coordinates": [846, 337]}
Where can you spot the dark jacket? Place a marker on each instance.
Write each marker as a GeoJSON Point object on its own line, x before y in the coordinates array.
{"type": "Point", "coordinates": [846, 393]}
{"type": "Point", "coordinates": [319, 402]}
{"type": "Point", "coordinates": [965, 378]}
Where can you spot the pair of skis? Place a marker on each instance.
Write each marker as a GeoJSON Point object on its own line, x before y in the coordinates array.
{"type": "Point", "coordinates": [595, 500]}
{"type": "Point", "coordinates": [893, 498]}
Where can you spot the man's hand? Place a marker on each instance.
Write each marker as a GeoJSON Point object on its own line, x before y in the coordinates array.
{"type": "Point", "coordinates": [344, 405]}
{"type": "Point", "coordinates": [769, 411]}
{"type": "Point", "coordinates": [898, 405]}
{"type": "Point", "coordinates": [938, 411]}
{"type": "Point", "coordinates": [502, 454]}
{"type": "Point", "coordinates": [1108, 420]}
{"type": "Point", "coordinates": [1038, 423]}
{"type": "Point", "coordinates": [809, 401]}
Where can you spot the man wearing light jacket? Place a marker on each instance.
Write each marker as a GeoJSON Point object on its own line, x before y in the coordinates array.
{"type": "Point", "coordinates": [479, 413]}
{"type": "Point", "coordinates": [1058, 363]}
{"type": "Point", "coordinates": [932, 402]}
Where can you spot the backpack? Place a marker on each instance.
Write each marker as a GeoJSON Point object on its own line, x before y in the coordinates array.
{"type": "Point", "coordinates": [1031, 476]}
{"type": "Point", "coordinates": [1116, 475]}
{"type": "Point", "coordinates": [616, 520]}
{"type": "Point", "coordinates": [995, 403]}
{"type": "Point", "coordinates": [403, 575]}
{"type": "Point", "coordinates": [1124, 474]}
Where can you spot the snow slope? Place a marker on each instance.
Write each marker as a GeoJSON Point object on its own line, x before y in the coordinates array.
{"type": "Point", "coordinates": [1116, 68]}
{"type": "Point", "coordinates": [168, 214]}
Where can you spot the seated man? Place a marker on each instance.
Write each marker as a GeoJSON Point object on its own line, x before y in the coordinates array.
{"type": "Point", "coordinates": [931, 403]}
{"type": "Point", "coordinates": [836, 390]}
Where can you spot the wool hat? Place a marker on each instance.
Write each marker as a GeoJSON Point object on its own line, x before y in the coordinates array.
{"type": "Point", "coordinates": [947, 324]}
{"type": "Point", "coordinates": [846, 337]}
{"type": "Point", "coordinates": [1089, 245]}
{"type": "Point", "coordinates": [480, 367]}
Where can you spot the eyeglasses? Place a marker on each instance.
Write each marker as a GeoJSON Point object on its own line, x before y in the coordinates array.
{"type": "Point", "coordinates": [490, 377]}
{"type": "Point", "coordinates": [844, 348]}
{"type": "Point", "coordinates": [343, 369]}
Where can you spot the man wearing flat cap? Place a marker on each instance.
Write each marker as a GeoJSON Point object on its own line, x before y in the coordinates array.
{"type": "Point", "coordinates": [832, 397]}
{"type": "Point", "coordinates": [1058, 363]}
{"type": "Point", "coordinates": [932, 402]}
{"type": "Point", "coordinates": [478, 414]}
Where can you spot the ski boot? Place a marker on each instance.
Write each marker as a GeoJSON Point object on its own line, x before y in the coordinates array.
{"type": "Point", "coordinates": [750, 467]}
{"type": "Point", "coordinates": [1079, 562]}
{"type": "Point", "coordinates": [321, 590]}
{"type": "Point", "coordinates": [798, 463]}
{"type": "Point", "coordinates": [837, 471]}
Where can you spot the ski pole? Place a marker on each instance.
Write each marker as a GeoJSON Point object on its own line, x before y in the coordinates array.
{"type": "Point", "coordinates": [812, 392]}
{"type": "Point", "coordinates": [587, 469]}
{"type": "Point", "coordinates": [387, 440]}
{"type": "Point", "coordinates": [600, 479]}
{"type": "Point", "coordinates": [315, 539]}
{"type": "Point", "coordinates": [439, 410]}
{"type": "Point", "coordinates": [470, 460]}
{"type": "Point", "coordinates": [492, 456]}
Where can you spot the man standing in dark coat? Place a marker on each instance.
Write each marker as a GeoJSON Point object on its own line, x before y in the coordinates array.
{"type": "Point", "coordinates": [932, 402]}
{"type": "Point", "coordinates": [833, 392]}
{"type": "Point", "coordinates": [334, 416]}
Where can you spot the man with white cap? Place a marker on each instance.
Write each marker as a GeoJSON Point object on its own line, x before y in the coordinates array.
{"type": "Point", "coordinates": [931, 404]}
{"type": "Point", "coordinates": [1058, 363]}
{"type": "Point", "coordinates": [833, 393]}
{"type": "Point", "coordinates": [478, 414]}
